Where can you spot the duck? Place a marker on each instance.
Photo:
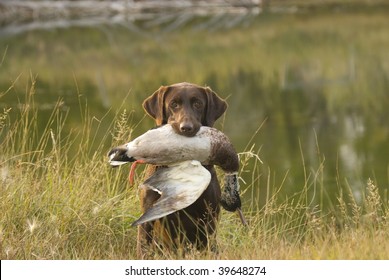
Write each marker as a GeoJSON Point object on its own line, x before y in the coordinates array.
{"type": "Point", "coordinates": [163, 146]}
{"type": "Point", "coordinates": [179, 184]}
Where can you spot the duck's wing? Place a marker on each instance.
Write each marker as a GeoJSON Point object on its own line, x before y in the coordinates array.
{"type": "Point", "coordinates": [179, 185]}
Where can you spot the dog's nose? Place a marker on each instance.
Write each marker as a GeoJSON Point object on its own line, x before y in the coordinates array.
{"type": "Point", "coordinates": [186, 127]}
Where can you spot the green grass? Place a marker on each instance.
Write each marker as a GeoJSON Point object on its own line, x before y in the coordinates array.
{"type": "Point", "coordinates": [60, 205]}
{"type": "Point", "coordinates": [60, 199]}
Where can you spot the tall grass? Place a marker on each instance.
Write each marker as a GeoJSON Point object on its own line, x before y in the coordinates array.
{"type": "Point", "coordinates": [60, 200]}
{"type": "Point", "coordinates": [59, 206]}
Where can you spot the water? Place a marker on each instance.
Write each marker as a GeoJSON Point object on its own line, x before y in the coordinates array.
{"type": "Point", "coordinates": [317, 86]}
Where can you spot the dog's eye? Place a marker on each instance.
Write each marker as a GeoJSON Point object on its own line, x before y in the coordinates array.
{"type": "Point", "coordinates": [173, 104]}
{"type": "Point", "coordinates": [198, 104]}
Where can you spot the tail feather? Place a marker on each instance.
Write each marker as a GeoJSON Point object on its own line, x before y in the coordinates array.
{"type": "Point", "coordinates": [118, 156]}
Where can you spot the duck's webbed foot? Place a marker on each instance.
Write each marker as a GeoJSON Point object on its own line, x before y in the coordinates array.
{"type": "Point", "coordinates": [132, 170]}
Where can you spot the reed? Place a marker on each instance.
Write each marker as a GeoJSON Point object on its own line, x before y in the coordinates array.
{"type": "Point", "coordinates": [60, 200]}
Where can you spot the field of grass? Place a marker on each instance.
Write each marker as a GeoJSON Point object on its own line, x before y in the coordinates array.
{"type": "Point", "coordinates": [57, 206]}
{"type": "Point", "coordinates": [59, 199]}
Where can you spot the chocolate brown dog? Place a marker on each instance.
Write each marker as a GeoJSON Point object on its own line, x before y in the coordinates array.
{"type": "Point", "coordinates": [186, 107]}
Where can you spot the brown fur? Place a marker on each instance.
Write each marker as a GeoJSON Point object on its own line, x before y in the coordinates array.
{"type": "Point", "coordinates": [186, 107]}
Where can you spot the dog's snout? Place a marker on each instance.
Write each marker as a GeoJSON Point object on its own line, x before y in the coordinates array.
{"type": "Point", "coordinates": [186, 127]}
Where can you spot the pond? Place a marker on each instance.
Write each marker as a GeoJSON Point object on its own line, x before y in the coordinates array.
{"type": "Point", "coordinates": [308, 92]}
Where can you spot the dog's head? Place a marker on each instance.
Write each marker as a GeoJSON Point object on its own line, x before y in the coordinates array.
{"type": "Point", "coordinates": [185, 106]}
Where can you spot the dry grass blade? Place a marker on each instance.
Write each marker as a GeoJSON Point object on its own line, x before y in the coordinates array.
{"type": "Point", "coordinates": [59, 206]}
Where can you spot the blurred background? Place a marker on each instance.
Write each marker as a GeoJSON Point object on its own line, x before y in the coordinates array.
{"type": "Point", "coordinates": [307, 82]}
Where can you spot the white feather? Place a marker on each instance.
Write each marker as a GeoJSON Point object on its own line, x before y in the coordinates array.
{"type": "Point", "coordinates": [162, 146]}
{"type": "Point", "coordinates": [179, 184]}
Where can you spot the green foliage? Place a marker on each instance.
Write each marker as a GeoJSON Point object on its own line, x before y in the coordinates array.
{"type": "Point", "coordinates": [57, 206]}
{"type": "Point", "coordinates": [298, 74]}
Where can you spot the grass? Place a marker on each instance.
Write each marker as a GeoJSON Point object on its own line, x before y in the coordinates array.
{"type": "Point", "coordinates": [60, 200]}
{"type": "Point", "coordinates": [58, 206]}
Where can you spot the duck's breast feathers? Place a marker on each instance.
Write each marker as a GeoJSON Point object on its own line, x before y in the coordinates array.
{"type": "Point", "coordinates": [164, 147]}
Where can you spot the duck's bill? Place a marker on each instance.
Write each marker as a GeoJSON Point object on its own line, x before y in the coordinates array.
{"type": "Point", "coordinates": [242, 218]}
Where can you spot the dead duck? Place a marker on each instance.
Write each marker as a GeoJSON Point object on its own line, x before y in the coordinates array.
{"type": "Point", "coordinates": [162, 146]}
{"type": "Point", "coordinates": [179, 185]}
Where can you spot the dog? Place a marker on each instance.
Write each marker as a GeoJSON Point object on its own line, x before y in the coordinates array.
{"type": "Point", "coordinates": [186, 107]}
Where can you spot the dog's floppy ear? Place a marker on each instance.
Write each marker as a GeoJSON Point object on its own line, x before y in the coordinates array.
{"type": "Point", "coordinates": [154, 105]}
{"type": "Point", "coordinates": [215, 107]}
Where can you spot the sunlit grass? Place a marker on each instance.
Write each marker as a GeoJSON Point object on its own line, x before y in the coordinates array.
{"type": "Point", "coordinates": [60, 199]}
{"type": "Point", "coordinates": [61, 205]}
